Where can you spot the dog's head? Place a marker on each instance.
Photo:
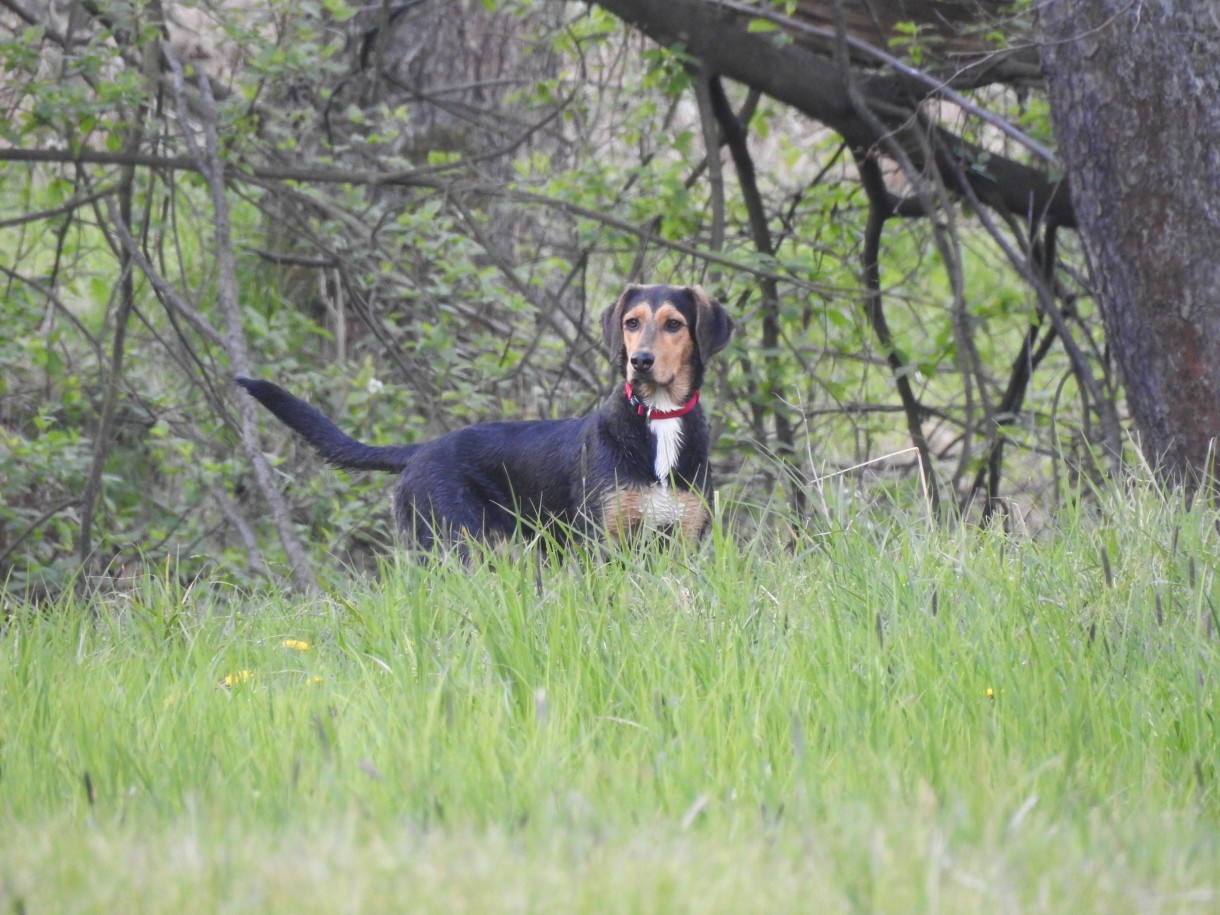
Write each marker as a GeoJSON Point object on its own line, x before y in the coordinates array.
{"type": "Point", "coordinates": [660, 338]}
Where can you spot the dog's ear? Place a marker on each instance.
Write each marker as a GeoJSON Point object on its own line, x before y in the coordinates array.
{"type": "Point", "coordinates": [713, 326]}
{"type": "Point", "coordinates": [612, 329]}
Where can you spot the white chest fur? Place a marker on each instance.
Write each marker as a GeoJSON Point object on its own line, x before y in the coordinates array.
{"type": "Point", "coordinates": [668, 436]}
{"type": "Point", "coordinates": [662, 507]}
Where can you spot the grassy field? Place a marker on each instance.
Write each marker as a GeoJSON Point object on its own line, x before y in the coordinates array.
{"type": "Point", "coordinates": [893, 717]}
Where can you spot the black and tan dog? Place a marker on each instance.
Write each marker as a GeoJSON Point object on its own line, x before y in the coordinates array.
{"type": "Point", "coordinates": [641, 459]}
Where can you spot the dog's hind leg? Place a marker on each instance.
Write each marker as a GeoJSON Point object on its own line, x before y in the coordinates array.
{"type": "Point", "coordinates": [448, 514]}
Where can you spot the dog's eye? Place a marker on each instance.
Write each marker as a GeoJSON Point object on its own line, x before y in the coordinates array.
{"type": "Point", "coordinates": [673, 325]}
{"type": "Point", "coordinates": [631, 323]}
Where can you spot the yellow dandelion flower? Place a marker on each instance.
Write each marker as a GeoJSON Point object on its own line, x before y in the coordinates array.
{"type": "Point", "coordinates": [990, 693]}
{"type": "Point", "coordinates": [242, 676]}
{"type": "Point", "coordinates": [295, 644]}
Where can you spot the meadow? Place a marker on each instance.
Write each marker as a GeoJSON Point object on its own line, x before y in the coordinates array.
{"type": "Point", "coordinates": [882, 715]}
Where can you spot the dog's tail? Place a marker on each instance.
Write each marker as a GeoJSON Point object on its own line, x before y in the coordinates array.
{"type": "Point", "coordinates": [329, 440]}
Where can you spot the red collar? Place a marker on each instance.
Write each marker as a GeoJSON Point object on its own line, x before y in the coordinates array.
{"type": "Point", "coordinates": [642, 409]}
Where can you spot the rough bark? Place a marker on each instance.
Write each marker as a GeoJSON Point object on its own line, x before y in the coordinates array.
{"type": "Point", "coordinates": [1135, 99]}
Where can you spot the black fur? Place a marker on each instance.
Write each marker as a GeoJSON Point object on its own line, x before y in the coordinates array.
{"type": "Point", "coordinates": [487, 480]}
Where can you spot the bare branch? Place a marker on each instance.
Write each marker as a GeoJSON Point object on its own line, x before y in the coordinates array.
{"type": "Point", "coordinates": [879, 211]}
{"type": "Point", "coordinates": [64, 209]}
{"type": "Point", "coordinates": [735, 136]}
{"type": "Point", "coordinates": [212, 167]}
{"type": "Point", "coordinates": [164, 289]}
{"type": "Point", "coordinates": [936, 85]}
{"type": "Point", "coordinates": [718, 35]}
{"type": "Point", "coordinates": [415, 178]}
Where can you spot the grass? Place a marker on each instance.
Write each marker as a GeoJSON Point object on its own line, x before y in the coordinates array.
{"type": "Point", "coordinates": [894, 717]}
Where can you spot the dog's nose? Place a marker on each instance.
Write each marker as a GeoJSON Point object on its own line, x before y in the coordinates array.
{"type": "Point", "coordinates": [642, 362]}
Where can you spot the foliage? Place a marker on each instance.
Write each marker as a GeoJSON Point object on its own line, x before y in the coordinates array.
{"type": "Point", "coordinates": [902, 717]}
{"type": "Point", "coordinates": [415, 248]}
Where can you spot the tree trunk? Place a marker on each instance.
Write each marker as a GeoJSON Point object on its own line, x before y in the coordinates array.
{"type": "Point", "coordinates": [1135, 99]}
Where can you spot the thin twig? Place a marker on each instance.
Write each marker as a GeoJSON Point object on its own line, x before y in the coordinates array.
{"type": "Point", "coordinates": [735, 136]}
{"type": "Point", "coordinates": [430, 181]}
{"type": "Point", "coordinates": [936, 84]}
{"type": "Point", "coordinates": [715, 173]}
{"type": "Point", "coordinates": [1046, 302]}
{"type": "Point", "coordinates": [34, 525]}
{"type": "Point", "coordinates": [878, 212]}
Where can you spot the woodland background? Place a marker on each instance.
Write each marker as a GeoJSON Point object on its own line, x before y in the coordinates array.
{"type": "Point", "coordinates": [411, 213]}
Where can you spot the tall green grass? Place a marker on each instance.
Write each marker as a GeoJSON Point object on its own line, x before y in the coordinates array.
{"type": "Point", "coordinates": [890, 717]}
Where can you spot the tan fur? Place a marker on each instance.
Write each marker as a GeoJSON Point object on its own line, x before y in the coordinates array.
{"type": "Point", "coordinates": [626, 510]}
{"type": "Point", "coordinates": [670, 343]}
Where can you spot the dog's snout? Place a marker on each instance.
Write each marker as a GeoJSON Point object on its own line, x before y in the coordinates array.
{"type": "Point", "coordinates": [642, 361]}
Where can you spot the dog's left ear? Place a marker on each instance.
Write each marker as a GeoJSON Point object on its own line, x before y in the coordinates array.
{"type": "Point", "coordinates": [713, 326]}
{"type": "Point", "coordinates": [612, 329]}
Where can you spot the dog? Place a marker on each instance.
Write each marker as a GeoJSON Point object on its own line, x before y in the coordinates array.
{"type": "Point", "coordinates": [640, 460]}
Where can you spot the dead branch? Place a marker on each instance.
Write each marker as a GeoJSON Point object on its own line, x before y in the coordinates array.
{"type": "Point", "coordinates": [234, 341]}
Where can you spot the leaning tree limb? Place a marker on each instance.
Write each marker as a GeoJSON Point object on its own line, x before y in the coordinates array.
{"type": "Point", "coordinates": [234, 340]}
{"type": "Point", "coordinates": [719, 36]}
{"type": "Point", "coordinates": [880, 209]}
{"type": "Point", "coordinates": [735, 137]}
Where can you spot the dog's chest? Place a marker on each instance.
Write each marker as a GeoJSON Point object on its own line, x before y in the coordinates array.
{"type": "Point", "coordinates": [660, 507]}
{"type": "Point", "coordinates": [667, 434]}
{"type": "Point", "coordinates": [659, 504]}
{"type": "Point", "coordinates": [656, 507]}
